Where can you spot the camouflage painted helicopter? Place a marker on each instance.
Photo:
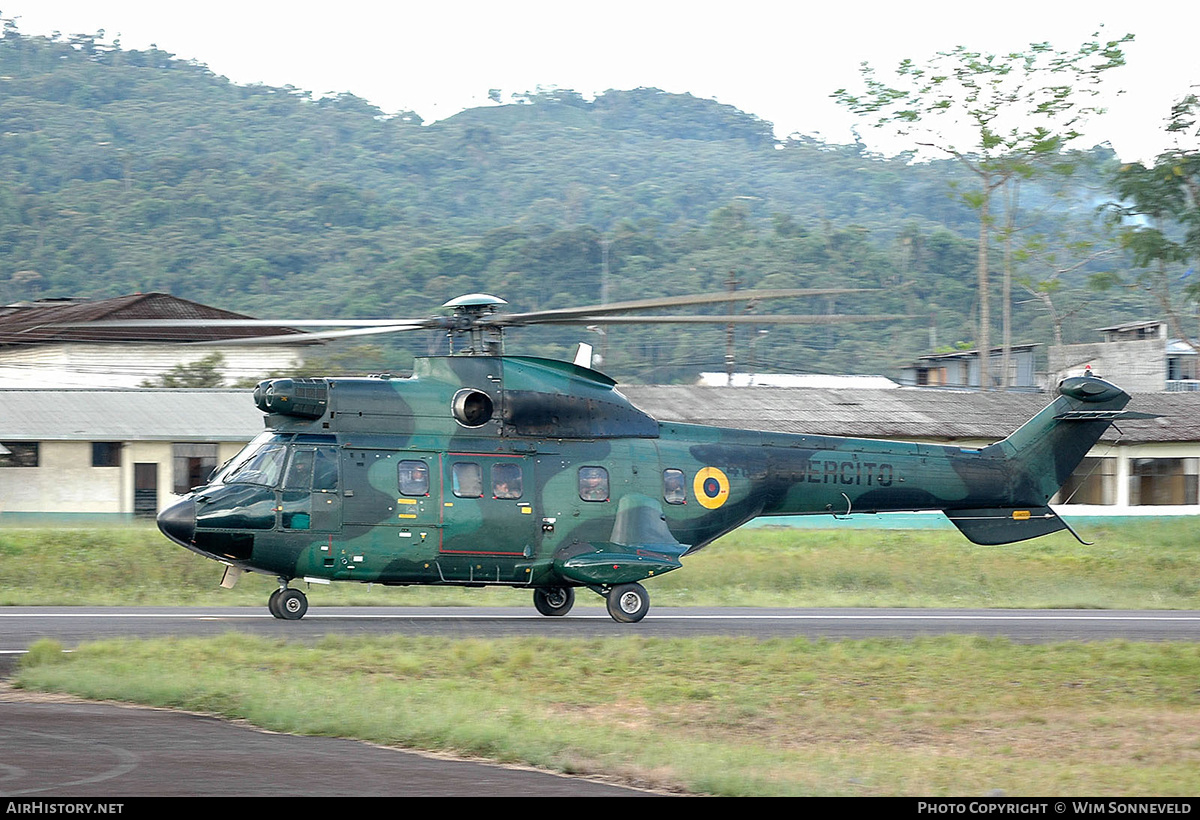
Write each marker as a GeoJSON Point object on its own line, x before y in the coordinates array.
{"type": "Point", "coordinates": [488, 469]}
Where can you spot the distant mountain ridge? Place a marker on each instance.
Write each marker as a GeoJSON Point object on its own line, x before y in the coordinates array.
{"type": "Point", "coordinates": [134, 171]}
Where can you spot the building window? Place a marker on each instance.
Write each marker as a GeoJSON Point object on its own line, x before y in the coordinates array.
{"type": "Point", "coordinates": [1181, 368]}
{"type": "Point", "coordinates": [1161, 481]}
{"type": "Point", "coordinates": [593, 483]}
{"type": "Point", "coordinates": [930, 376]}
{"type": "Point", "coordinates": [192, 466]}
{"type": "Point", "coordinates": [106, 454]}
{"type": "Point", "coordinates": [18, 454]}
{"type": "Point", "coordinates": [1093, 482]}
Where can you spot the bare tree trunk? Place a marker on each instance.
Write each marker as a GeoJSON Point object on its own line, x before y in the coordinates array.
{"type": "Point", "coordinates": [984, 342]}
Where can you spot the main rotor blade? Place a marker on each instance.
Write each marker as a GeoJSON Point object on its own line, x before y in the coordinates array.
{"type": "Point", "coordinates": [350, 327]}
{"type": "Point", "coordinates": [563, 314]}
{"type": "Point", "coordinates": [294, 338]}
{"type": "Point", "coordinates": [737, 319]}
{"type": "Point", "coordinates": [414, 324]}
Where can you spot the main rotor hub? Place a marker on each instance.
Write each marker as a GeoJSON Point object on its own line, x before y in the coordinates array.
{"type": "Point", "coordinates": [481, 339]}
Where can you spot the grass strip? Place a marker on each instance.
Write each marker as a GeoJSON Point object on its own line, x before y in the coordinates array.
{"type": "Point", "coordinates": [951, 716]}
{"type": "Point", "coordinates": [1152, 564]}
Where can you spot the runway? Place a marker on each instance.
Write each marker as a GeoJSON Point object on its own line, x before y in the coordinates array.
{"type": "Point", "coordinates": [20, 626]}
{"type": "Point", "coordinates": [64, 748]}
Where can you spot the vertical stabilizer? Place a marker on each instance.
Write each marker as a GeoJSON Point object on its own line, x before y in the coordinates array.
{"type": "Point", "coordinates": [1040, 456]}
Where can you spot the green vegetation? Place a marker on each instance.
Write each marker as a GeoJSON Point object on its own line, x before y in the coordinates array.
{"type": "Point", "coordinates": [126, 171]}
{"type": "Point", "coordinates": [943, 716]}
{"type": "Point", "coordinates": [1150, 564]}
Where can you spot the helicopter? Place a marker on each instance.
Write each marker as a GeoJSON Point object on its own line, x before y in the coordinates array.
{"type": "Point", "coordinates": [488, 469]}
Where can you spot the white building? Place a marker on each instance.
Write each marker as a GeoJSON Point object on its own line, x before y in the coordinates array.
{"type": "Point", "coordinates": [74, 453]}
{"type": "Point", "coordinates": [36, 350]}
{"type": "Point", "coordinates": [1140, 356]}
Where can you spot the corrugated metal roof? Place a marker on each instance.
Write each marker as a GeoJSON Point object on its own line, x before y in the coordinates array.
{"type": "Point", "coordinates": [230, 415]}
{"type": "Point", "coordinates": [128, 415]}
{"type": "Point", "coordinates": [919, 413]}
{"type": "Point", "coordinates": [32, 323]}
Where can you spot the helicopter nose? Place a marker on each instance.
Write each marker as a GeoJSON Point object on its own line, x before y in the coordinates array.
{"type": "Point", "coordinates": [178, 522]}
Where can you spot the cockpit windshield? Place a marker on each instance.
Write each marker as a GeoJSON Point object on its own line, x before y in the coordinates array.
{"type": "Point", "coordinates": [262, 452]}
{"type": "Point", "coordinates": [264, 467]}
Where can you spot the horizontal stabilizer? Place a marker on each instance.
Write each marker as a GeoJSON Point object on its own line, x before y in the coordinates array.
{"type": "Point", "coordinates": [1104, 415]}
{"type": "Point", "coordinates": [1004, 525]}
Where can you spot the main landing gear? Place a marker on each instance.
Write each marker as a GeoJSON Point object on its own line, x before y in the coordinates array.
{"type": "Point", "coordinates": [287, 604]}
{"type": "Point", "coordinates": [627, 603]}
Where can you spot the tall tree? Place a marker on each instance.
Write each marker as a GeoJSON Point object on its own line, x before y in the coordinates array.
{"type": "Point", "coordinates": [1159, 215]}
{"type": "Point", "coordinates": [1000, 115]}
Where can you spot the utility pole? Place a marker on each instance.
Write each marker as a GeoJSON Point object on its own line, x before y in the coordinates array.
{"type": "Point", "coordinates": [731, 284]}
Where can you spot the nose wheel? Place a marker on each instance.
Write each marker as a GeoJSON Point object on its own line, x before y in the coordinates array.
{"type": "Point", "coordinates": [554, 600]}
{"type": "Point", "coordinates": [288, 604]}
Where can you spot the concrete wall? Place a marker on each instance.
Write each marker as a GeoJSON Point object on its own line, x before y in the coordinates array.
{"type": "Point", "coordinates": [66, 483]}
{"type": "Point", "coordinates": [1136, 366]}
{"type": "Point", "coordinates": [128, 365]}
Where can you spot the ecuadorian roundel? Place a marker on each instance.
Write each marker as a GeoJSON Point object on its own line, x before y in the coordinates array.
{"type": "Point", "coordinates": [711, 487]}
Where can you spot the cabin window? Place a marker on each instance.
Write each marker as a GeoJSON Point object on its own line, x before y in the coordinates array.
{"type": "Point", "coordinates": [467, 479]}
{"type": "Point", "coordinates": [506, 481]}
{"type": "Point", "coordinates": [19, 454]}
{"type": "Point", "coordinates": [674, 491]}
{"type": "Point", "coordinates": [593, 483]}
{"type": "Point", "coordinates": [264, 467]}
{"type": "Point", "coordinates": [414, 478]}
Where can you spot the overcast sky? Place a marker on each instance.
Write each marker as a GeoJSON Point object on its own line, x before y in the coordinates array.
{"type": "Point", "coordinates": [777, 60]}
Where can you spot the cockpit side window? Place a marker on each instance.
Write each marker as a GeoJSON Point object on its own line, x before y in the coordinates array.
{"type": "Point", "coordinates": [299, 471]}
{"type": "Point", "coordinates": [325, 470]}
{"type": "Point", "coordinates": [264, 467]}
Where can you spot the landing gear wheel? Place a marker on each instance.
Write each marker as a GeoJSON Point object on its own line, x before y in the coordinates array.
{"type": "Point", "coordinates": [291, 605]}
{"type": "Point", "coordinates": [554, 600]}
{"type": "Point", "coordinates": [273, 604]}
{"type": "Point", "coordinates": [628, 603]}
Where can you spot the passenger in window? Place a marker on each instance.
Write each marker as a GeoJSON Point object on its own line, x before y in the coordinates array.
{"type": "Point", "coordinates": [506, 481]}
{"type": "Point", "coordinates": [593, 483]}
{"type": "Point", "coordinates": [414, 478]}
{"type": "Point", "coordinates": [673, 487]}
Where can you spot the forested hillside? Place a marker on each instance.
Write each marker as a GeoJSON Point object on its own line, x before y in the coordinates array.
{"type": "Point", "coordinates": [125, 171]}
